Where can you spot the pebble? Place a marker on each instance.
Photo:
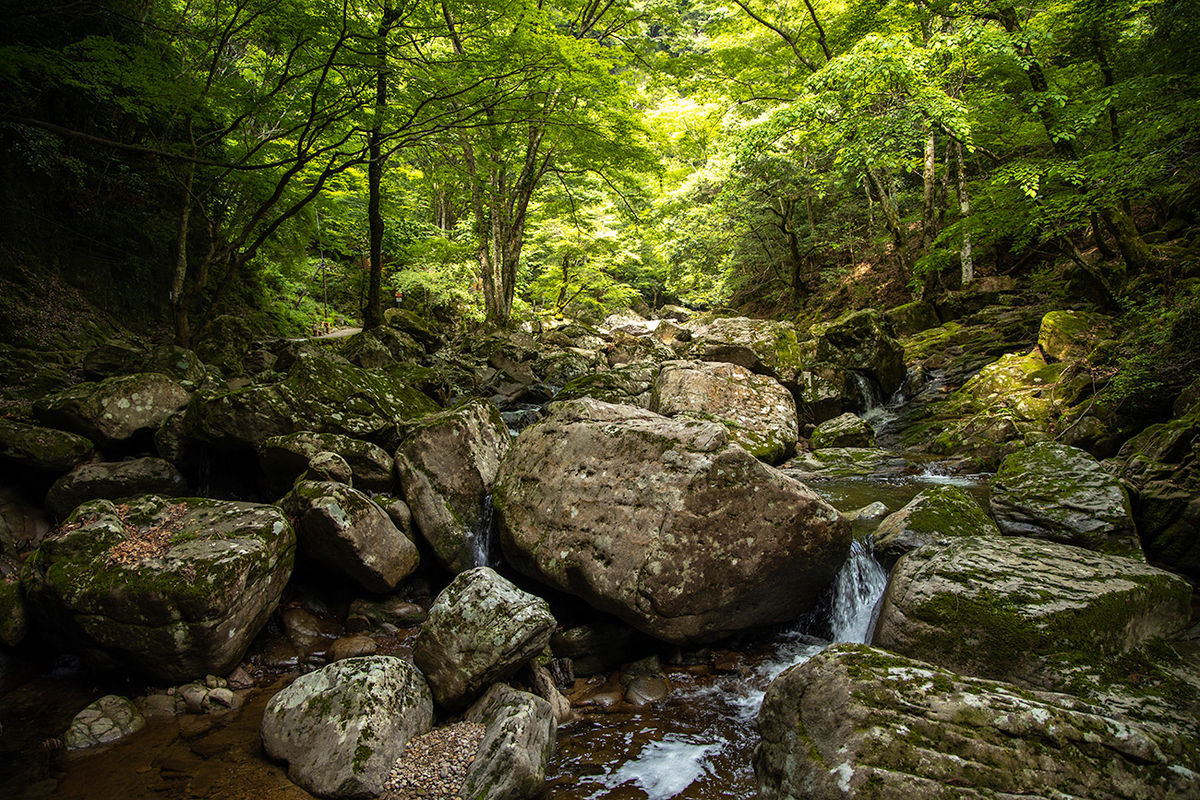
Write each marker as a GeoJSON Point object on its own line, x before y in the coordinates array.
{"type": "Point", "coordinates": [434, 765]}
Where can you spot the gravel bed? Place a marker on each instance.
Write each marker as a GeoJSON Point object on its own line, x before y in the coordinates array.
{"type": "Point", "coordinates": [434, 765]}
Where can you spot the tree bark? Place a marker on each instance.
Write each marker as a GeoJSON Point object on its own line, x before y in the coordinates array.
{"type": "Point", "coordinates": [891, 218]}
{"type": "Point", "coordinates": [964, 211]}
{"type": "Point", "coordinates": [373, 307]}
{"type": "Point", "coordinates": [179, 297]}
{"type": "Point", "coordinates": [929, 174]}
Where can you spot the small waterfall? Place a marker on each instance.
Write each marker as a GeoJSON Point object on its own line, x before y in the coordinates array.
{"type": "Point", "coordinates": [482, 536]}
{"type": "Point", "coordinates": [867, 393]}
{"type": "Point", "coordinates": [857, 592]}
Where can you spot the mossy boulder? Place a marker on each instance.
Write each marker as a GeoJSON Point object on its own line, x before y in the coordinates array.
{"type": "Point", "coordinates": [641, 348]}
{"type": "Point", "coordinates": [768, 347]}
{"type": "Point", "coordinates": [285, 458]}
{"type": "Point", "coordinates": [114, 481]}
{"type": "Point", "coordinates": [758, 412]}
{"type": "Point", "coordinates": [559, 368]}
{"type": "Point", "coordinates": [171, 589]}
{"type": "Point", "coordinates": [629, 385]}
{"type": "Point", "coordinates": [914, 317]}
{"type": "Point", "coordinates": [481, 629]}
{"type": "Point", "coordinates": [342, 528]}
{"type": "Point", "coordinates": [857, 341]}
{"type": "Point", "coordinates": [319, 395]}
{"type": "Point", "coordinates": [381, 348]}
{"type": "Point", "coordinates": [821, 392]}
{"type": "Point", "coordinates": [1026, 611]}
{"type": "Point", "coordinates": [447, 465]}
{"type": "Point", "coordinates": [934, 514]}
{"type": "Point", "coordinates": [845, 462]}
{"type": "Point", "coordinates": [663, 522]}
{"type": "Point", "coordinates": [341, 728]}
{"type": "Point", "coordinates": [1070, 335]}
{"type": "Point", "coordinates": [1057, 492]}
{"type": "Point", "coordinates": [855, 721]}
{"type": "Point", "coordinates": [116, 409]}
{"type": "Point", "coordinates": [42, 449]}
{"type": "Point", "coordinates": [511, 761]}
{"type": "Point", "coordinates": [847, 430]}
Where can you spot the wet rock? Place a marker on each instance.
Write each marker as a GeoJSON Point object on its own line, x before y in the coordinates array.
{"type": "Point", "coordinates": [172, 590]}
{"type": "Point", "coordinates": [767, 347]}
{"type": "Point", "coordinates": [342, 727]}
{"type": "Point", "coordinates": [343, 528]}
{"type": "Point", "coordinates": [545, 687]}
{"type": "Point", "coordinates": [330, 467]}
{"type": "Point", "coordinates": [758, 412]}
{"type": "Point", "coordinates": [114, 410]}
{"type": "Point", "coordinates": [113, 481]}
{"type": "Point", "coordinates": [447, 465]}
{"type": "Point", "coordinates": [14, 620]}
{"type": "Point", "coordinates": [105, 721]}
{"type": "Point", "coordinates": [1024, 610]}
{"type": "Point", "coordinates": [517, 746]}
{"type": "Point", "coordinates": [934, 514]}
{"type": "Point", "coordinates": [617, 505]}
{"type": "Point", "coordinates": [876, 510]}
{"type": "Point", "coordinates": [835, 462]}
{"type": "Point", "coordinates": [286, 458]}
{"type": "Point", "coordinates": [309, 633]}
{"type": "Point", "coordinates": [596, 647]}
{"type": "Point", "coordinates": [855, 721]}
{"type": "Point", "coordinates": [481, 629]}
{"type": "Point", "coordinates": [847, 430]}
{"type": "Point", "coordinates": [1057, 492]}
{"type": "Point", "coordinates": [857, 341]}
{"type": "Point", "coordinates": [352, 646]}
{"type": "Point", "coordinates": [367, 614]}
{"type": "Point", "coordinates": [318, 395]}
{"type": "Point", "coordinates": [159, 705]}
{"type": "Point", "coordinates": [914, 317]}
{"type": "Point", "coordinates": [1066, 335]}
{"type": "Point", "coordinates": [822, 392]}
{"type": "Point", "coordinates": [43, 449]}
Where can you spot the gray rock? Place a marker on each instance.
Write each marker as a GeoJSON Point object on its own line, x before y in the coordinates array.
{"type": "Point", "coordinates": [511, 761]}
{"type": "Point", "coordinates": [1025, 611]}
{"type": "Point", "coordinates": [663, 522]}
{"type": "Point", "coordinates": [328, 466]}
{"type": "Point", "coordinates": [103, 722]}
{"type": "Point", "coordinates": [113, 481]}
{"type": "Point", "coordinates": [285, 458]}
{"type": "Point", "coordinates": [859, 722]}
{"type": "Point", "coordinates": [343, 528]}
{"type": "Point", "coordinates": [116, 409]}
{"type": "Point", "coordinates": [758, 412]}
{"type": "Point", "coordinates": [628, 385]}
{"type": "Point", "coordinates": [934, 514]}
{"type": "Point", "coordinates": [352, 646]}
{"type": "Point", "coordinates": [847, 430]}
{"type": "Point", "coordinates": [342, 727]}
{"type": "Point", "coordinates": [42, 449]}
{"type": "Point", "coordinates": [767, 347]}
{"type": "Point", "coordinates": [1057, 492]}
{"type": "Point", "coordinates": [173, 590]}
{"type": "Point", "coordinates": [481, 629]}
{"type": "Point", "coordinates": [447, 465]}
{"type": "Point", "coordinates": [856, 340]}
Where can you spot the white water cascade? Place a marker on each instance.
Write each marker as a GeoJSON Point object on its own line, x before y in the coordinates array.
{"type": "Point", "coordinates": [857, 592]}
{"type": "Point", "coordinates": [481, 537]}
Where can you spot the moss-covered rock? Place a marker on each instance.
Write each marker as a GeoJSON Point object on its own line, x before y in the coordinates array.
{"type": "Point", "coordinates": [847, 430]}
{"type": "Point", "coordinates": [341, 728]}
{"type": "Point", "coordinates": [1023, 610]}
{"type": "Point", "coordinates": [285, 458]}
{"type": "Point", "coordinates": [516, 748]}
{"type": "Point", "coordinates": [934, 514]}
{"type": "Point", "coordinates": [170, 589]}
{"type": "Point", "coordinates": [627, 385]}
{"type": "Point", "coordinates": [758, 412]}
{"type": "Point", "coordinates": [1057, 492]}
{"type": "Point", "coordinates": [113, 481]}
{"type": "Point", "coordinates": [116, 409]}
{"type": "Point", "coordinates": [14, 621]}
{"type": "Point", "coordinates": [857, 341]}
{"type": "Point", "coordinates": [41, 449]}
{"type": "Point", "coordinates": [914, 317]}
{"type": "Point", "coordinates": [481, 629]}
{"type": "Point", "coordinates": [1067, 335]}
{"type": "Point", "coordinates": [855, 721]}
{"type": "Point", "coordinates": [105, 721]}
{"type": "Point", "coordinates": [768, 347]}
{"type": "Point", "coordinates": [447, 465]}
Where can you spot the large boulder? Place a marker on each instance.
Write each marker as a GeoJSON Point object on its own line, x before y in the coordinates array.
{"type": "Point", "coordinates": [114, 410]}
{"type": "Point", "coordinates": [1026, 611]}
{"type": "Point", "coordinates": [768, 347]}
{"type": "Point", "coordinates": [510, 763]}
{"type": "Point", "coordinates": [630, 385]}
{"type": "Point", "coordinates": [481, 629]}
{"type": "Point", "coordinates": [341, 728]}
{"type": "Point", "coordinates": [663, 522]}
{"type": "Point", "coordinates": [113, 481]}
{"type": "Point", "coordinates": [857, 340]}
{"type": "Point", "coordinates": [1058, 492]}
{"type": "Point", "coordinates": [286, 458]}
{"type": "Point", "coordinates": [319, 395]}
{"type": "Point", "coordinates": [758, 412]}
{"type": "Point", "coordinates": [174, 590]}
{"type": "Point", "coordinates": [1066, 335]}
{"type": "Point", "coordinates": [855, 721]}
{"type": "Point", "coordinates": [42, 449]}
{"type": "Point", "coordinates": [342, 528]}
{"type": "Point", "coordinates": [446, 466]}
{"type": "Point", "coordinates": [934, 514]}
{"type": "Point", "coordinates": [846, 430]}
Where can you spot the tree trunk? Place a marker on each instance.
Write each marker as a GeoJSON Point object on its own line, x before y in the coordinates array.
{"type": "Point", "coordinates": [891, 218]}
{"type": "Point", "coordinates": [179, 297]}
{"type": "Point", "coordinates": [964, 211]}
{"type": "Point", "coordinates": [929, 173]}
{"type": "Point", "coordinates": [373, 308]}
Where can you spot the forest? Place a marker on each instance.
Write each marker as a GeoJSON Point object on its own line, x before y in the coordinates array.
{"type": "Point", "coordinates": [308, 163]}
